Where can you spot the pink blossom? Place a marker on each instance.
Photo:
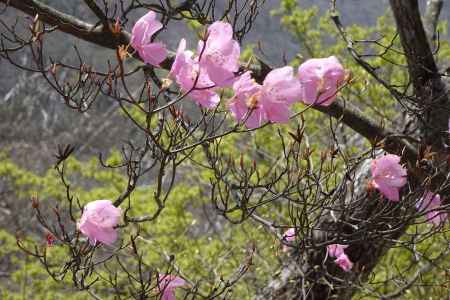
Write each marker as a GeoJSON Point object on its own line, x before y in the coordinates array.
{"type": "Point", "coordinates": [50, 239]}
{"type": "Point", "coordinates": [336, 250]}
{"type": "Point", "coordinates": [388, 176]}
{"type": "Point", "coordinates": [320, 79]}
{"type": "Point", "coordinates": [185, 70]}
{"type": "Point", "coordinates": [143, 30]}
{"type": "Point", "coordinates": [98, 221]}
{"type": "Point", "coordinates": [288, 236]}
{"type": "Point", "coordinates": [220, 55]}
{"type": "Point", "coordinates": [167, 284]}
{"type": "Point", "coordinates": [344, 262]}
{"type": "Point", "coordinates": [257, 103]}
{"type": "Point", "coordinates": [430, 204]}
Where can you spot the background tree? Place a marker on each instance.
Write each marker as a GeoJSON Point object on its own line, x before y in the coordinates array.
{"type": "Point", "coordinates": [207, 199]}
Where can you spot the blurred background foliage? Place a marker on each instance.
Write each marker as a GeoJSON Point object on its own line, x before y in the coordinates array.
{"type": "Point", "coordinates": [189, 234]}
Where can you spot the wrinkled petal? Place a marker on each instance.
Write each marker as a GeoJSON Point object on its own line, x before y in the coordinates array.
{"type": "Point", "coordinates": [429, 201]}
{"type": "Point", "coordinates": [279, 75]}
{"type": "Point", "coordinates": [171, 281]}
{"type": "Point", "coordinates": [153, 53]}
{"type": "Point", "coordinates": [277, 112]}
{"type": "Point", "coordinates": [241, 106]}
{"type": "Point", "coordinates": [245, 86]}
{"type": "Point", "coordinates": [220, 30]}
{"type": "Point", "coordinates": [391, 193]}
{"type": "Point", "coordinates": [437, 218]}
{"type": "Point", "coordinates": [180, 59]}
{"type": "Point", "coordinates": [143, 30]}
{"type": "Point", "coordinates": [168, 294]}
{"type": "Point", "coordinates": [344, 262]}
{"type": "Point", "coordinates": [220, 55]}
{"type": "Point", "coordinates": [388, 176]}
{"type": "Point", "coordinates": [320, 79]}
{"type": "Point", "coordinates": [218, 74]}
{"type": "Point", "coordinates": [239, 109]}
{"type": "Point", "coordinates": [430, 204]}
{"type": "Point", "coordinates": [98, 221]}
{"type": "Point", "coordinates": [205, 98]}
{"type": "Point", "coordinates": [167, 284]}
{"type": "Point", "coordinates": [336, 250]}
{"type": "Point", "coordinates": [281, 85]}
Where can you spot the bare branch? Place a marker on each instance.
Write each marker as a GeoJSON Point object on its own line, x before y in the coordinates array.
{"type": "Point", "coordinates": [431, 18]}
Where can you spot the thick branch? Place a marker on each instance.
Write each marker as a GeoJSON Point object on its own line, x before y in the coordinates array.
{"type": "Point", "coordinates": [96, 10]}
{"type": "Point", "coordinates": [422, 66]}
{"type": "Point", "coordinates": [429, 90]}
{"type": "Point", "coordinates": [69, 24]}
{"type": "Point", "coordinates": [431, 17]}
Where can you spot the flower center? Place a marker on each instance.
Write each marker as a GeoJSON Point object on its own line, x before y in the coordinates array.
{"type": "Point", "coordinates": [252, 102]}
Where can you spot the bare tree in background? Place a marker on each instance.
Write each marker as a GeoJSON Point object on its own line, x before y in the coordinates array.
{"type": "Point", "coordinates": [327, 206]}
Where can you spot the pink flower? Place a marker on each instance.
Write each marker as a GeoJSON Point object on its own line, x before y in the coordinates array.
{"type": "Point", "coordinates": [344, 262]}
{"type": "Point", "coordinates": [388, 176]}
{"type": "Point", "coordinates": [257, 103]}
{"type": "Point", "coordinates": [288, 236]}
{"type": "Point", "coordinates": [167, 284]}
{"type": "Point", "coordinates": [143, 30]}
{"type": "Point", "coordinates": [98, 221]}
{"type": "Point", "coordinates": [50, 239]}
{"type": "Point", "coordinates": [336, 250]}
{"type": "Point", "coordinates": [220, 55]}
{"type": "Point", "coordinates": [185, 69]}
{"type": "Point", "coordinates": [430, 204]}
{"type": "Point", "coordinates": [320, 79]}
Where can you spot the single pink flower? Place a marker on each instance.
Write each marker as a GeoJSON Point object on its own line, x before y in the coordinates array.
{"type": "Point", "coordinates": [430, 204]}
{"type": "Point", "coordinates": [336, 250]}
{"type": "Point", "coordinates": [344, 262]}
{"type": "Point", "coordinates": [143, 30]}
{"type": "Point", "coordinates": [388, 176]}
{"type": "Point", "coordinates": [220, 55]}
{"type": "Point", "coordinates": [98, 221]}
{"type": "Point", "coordinates": [167, 284]}
{"type": "Point", "coordinates": [288, 236]}
{"type": "Point", "coordinates": [320, 79]}
{"type": "Point", "coordinates": [257, 103]}
{"type": "Point", "coordinates": [185, 69]}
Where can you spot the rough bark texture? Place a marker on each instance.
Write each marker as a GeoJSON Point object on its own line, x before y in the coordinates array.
{"type": "Point", "coordinates": [429, 91]}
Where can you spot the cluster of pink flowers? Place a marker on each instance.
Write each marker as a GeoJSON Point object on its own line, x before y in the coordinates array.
{"type": "Point", "coordinates": [216, 65]}
{"type": "Point", "coordinates": [342, 260]}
